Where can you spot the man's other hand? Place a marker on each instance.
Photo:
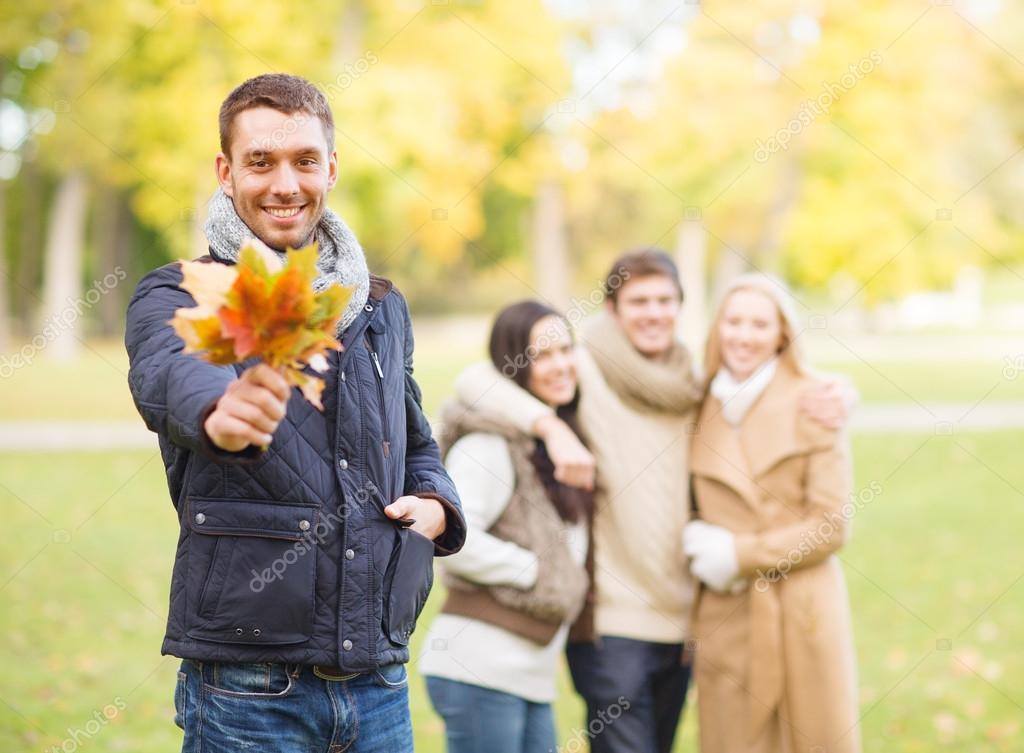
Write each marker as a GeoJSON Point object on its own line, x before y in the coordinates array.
{"type": "Point", "coordinates": [427, 514]}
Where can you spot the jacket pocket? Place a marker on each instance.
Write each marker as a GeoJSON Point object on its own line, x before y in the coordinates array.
{"type": "Point", "coordinates": [251, 571]}
{"type": "Point", "coordinates": [407, 582]}
{"type": "Point", "coordinates": [249, 680]}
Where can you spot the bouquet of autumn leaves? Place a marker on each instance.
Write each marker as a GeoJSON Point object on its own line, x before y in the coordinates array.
{"type": "Point", "coordinates": [261, 308]}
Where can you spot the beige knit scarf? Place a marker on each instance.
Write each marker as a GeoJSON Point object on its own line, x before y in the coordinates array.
{"type": "Point", "coordinates": [667, 384]}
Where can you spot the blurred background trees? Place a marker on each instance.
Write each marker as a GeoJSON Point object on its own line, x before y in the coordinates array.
{"type": "Point", "coordinates": [494, 150]}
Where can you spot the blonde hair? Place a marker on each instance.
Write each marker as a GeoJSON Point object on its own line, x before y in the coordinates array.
{"type": "Point", "coordinates": [790, 352]}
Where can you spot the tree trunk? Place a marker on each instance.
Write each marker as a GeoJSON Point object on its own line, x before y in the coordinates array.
{"type": "Point", "coordinates": [29, 254]}
{"type": "Point", "coordinates": [731, 262]}
{"type": "Point", "coordinates": [351, 35]}
{"type": "Point", "coordinates": [550, 245]}
{"type": "Point", "coordinates": [769, 250]}
{"type": "Point", "coordinates": [109, 252]}
{"type": "Point", "coordinates": [200, 244]}
{"type": "Point", "coordinates": [63, 305]}
{"type": "Point", "coordinates": [5, 273]}
{"type": "Point", "coordinates": [125, 261]}
{"type": "Point", "coordinates": [691, 258]}
{"type": "Point", "coordinates": [5, 277]}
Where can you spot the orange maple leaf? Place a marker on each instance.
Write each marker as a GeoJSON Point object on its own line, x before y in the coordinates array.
{"type": "Point", "coordinates": [261, 309]}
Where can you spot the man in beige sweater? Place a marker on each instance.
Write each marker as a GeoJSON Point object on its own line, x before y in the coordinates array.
{"type": "Point", "coordinates": [638, 400]}
{"type": "Point", "coordinates": [638, 392]}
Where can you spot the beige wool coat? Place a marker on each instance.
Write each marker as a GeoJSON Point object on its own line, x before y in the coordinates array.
{"type": "Point", "coordinates": [775, 667]}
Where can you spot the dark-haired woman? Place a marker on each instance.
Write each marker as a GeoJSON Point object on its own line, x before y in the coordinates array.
{"type": "Point", "coordinates": [520, 580]}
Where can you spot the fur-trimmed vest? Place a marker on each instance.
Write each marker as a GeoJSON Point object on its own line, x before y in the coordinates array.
{"type": "Point", "coordinates": [531, 521]}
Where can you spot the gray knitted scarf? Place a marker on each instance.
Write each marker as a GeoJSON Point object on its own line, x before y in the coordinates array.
{"type": "Point", "coordinates": [341, 260]}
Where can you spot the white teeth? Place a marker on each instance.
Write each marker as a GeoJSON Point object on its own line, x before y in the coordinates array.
{"type": "Point", "coordinates": [290, 212]}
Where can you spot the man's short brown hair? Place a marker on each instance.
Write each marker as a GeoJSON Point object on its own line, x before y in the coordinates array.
{"type": "Point", "coordinates": [642, 262]}
{"type": "Point", "coordinates": [279, 91]}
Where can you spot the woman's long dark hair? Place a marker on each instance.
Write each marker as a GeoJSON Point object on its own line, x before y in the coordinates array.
{"type": "Point", "coordinates": [512, 355]}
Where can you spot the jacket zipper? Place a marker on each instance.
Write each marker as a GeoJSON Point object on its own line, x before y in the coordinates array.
{"type": "Point", "coordinates": [380, 393]}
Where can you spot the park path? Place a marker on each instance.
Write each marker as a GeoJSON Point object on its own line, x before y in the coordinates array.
{"type": "Point", "coordinates": [940, 418]}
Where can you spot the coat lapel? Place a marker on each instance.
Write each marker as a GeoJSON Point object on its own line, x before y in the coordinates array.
{"type": "Point", "coordinates": [718, 453]}
{"type": "Point", "coordinates": [774, 430]}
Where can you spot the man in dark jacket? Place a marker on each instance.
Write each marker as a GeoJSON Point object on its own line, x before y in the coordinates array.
{"type": "Point", "coordinates": [301, 568]}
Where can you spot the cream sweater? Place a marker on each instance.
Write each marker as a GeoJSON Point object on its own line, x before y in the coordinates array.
{"type": "Point", "coordinates": [644, 589]}
{"type": "Point", "coordinates": [473, 651]}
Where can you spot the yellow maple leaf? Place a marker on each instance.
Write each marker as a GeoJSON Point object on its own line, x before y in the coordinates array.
{"type": "Point", "coordinates": [264, 309]}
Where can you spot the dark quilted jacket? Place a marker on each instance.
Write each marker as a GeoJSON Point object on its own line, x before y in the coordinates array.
{"type": "Point", "coordinates": [286, 555]}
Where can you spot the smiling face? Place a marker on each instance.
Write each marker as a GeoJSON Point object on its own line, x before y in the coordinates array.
{"type": "Point", "coordinates": [278, 174]}
{"type": "Point", "coordinates": [750, 329]}
{"type": "Point", "coordinates": [647, 308]}
{"type": "Point", "coordinates": [552, 377]}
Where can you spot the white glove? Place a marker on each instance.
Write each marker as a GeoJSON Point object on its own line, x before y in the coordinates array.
{"type": "Point", "coordinates": [712, 550]}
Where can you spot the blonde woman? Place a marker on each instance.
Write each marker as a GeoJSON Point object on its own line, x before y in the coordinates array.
{"type": "Point", "coordinates": [775, 661]}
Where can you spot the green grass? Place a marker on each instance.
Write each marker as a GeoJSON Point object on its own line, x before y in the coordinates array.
{"type": "Point", "coordinates": [1003, 285]}
{"type": "Point", "coordinates": [930, 381]}
{"type": "Point", "coordinates": [94, 387]}
{"type": "Point", "coordinates": [934, 572]}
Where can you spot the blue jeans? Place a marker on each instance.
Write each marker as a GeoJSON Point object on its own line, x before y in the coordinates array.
{"type": "Point", "coordinates": [634, 691]}
{"type": "Point", "coordinates": [481, 720]}
{"type": "Point", "coordinates": [286, 708]}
